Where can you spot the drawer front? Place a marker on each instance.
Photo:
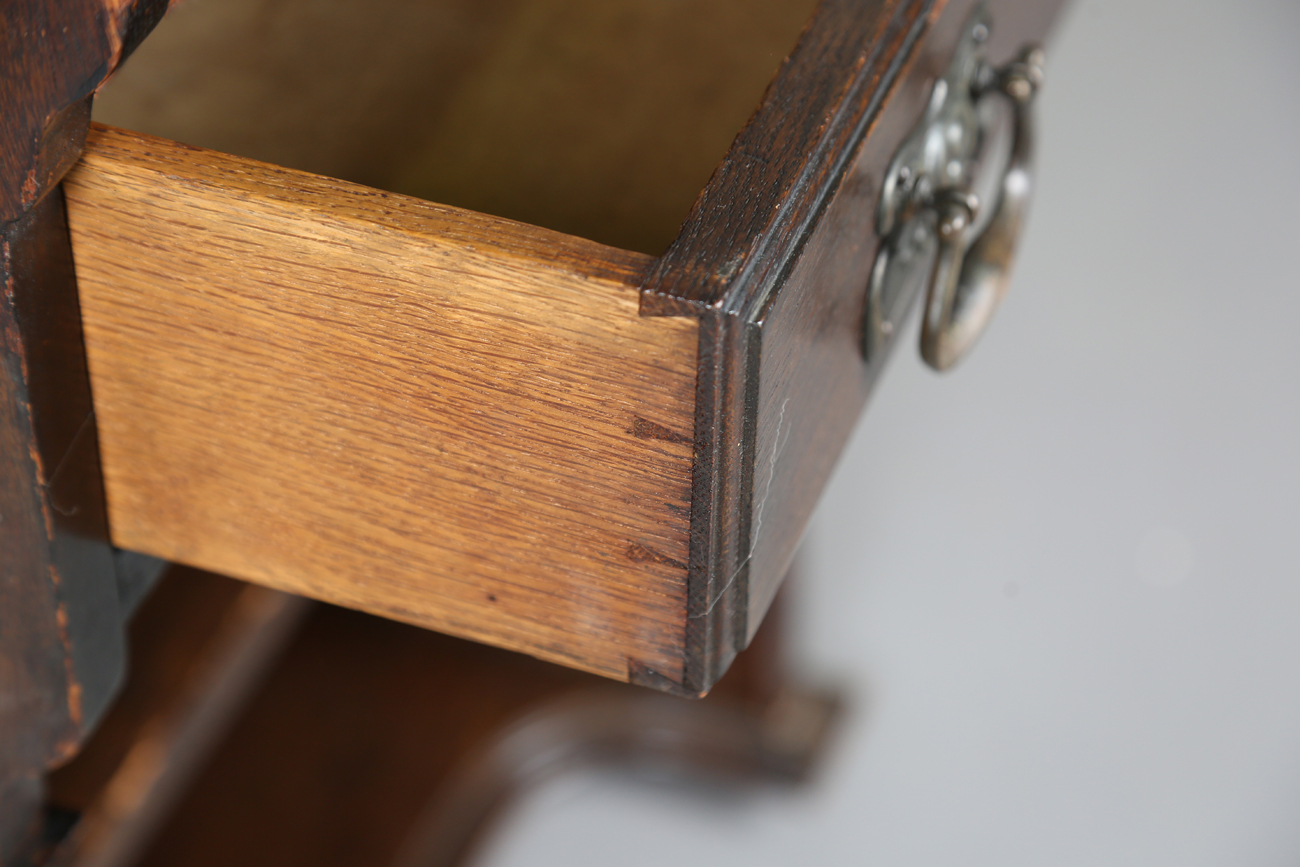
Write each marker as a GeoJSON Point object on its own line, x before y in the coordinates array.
{"type": "Point", "coordinates": [813, 379]}
{"type": "Point", "coordinates": [775, 260]}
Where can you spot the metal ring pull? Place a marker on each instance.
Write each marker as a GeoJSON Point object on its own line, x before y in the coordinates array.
{"type": "Point", "coordinates": [933, 212]}
{"type": "Point", "coordinates": [971, 274]}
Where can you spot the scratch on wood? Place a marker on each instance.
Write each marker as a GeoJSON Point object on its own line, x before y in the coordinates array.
{"type": "Point", "coordinates": [777, 447]}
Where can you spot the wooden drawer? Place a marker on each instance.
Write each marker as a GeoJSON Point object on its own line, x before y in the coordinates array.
{"type": "Point", "coordinates": [600, 456]}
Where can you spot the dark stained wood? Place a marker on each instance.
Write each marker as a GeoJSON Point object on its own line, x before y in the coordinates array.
{"type": "Point", "coordinates": [345, 742]}
{"type": "Point", "coordinates": [33, 653]}
{"type": "Point", "coordinates": [175, 626]}
{"type": "Point", "coordinates": [372, 743]}
{"type": "Point", "coordinates": [60, 631]}
{"type": "Point", "coordinates": [62, 650]}
{"type": "Point", "coordinates": [46, 319]}
{"type": "Point", "coordinates": [53, 55]}
{"type": "Point", "coordinates": [731, 254]}
{"type": "Point", "coordinates": [761, 724]}
{"type": "Point", "coordinates": [774, 260]}
{"type": "Point", "coordinates": [812, 381]}
{"type": "Point", "coordinates": [767, 187]}
{"type": "Point", "coordinates": [200, 645]}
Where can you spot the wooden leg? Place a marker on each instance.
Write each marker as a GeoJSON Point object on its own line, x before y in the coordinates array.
{"type": "Point", "coordinates": [61, 645]}
{"type": "Point", "coordinates": [199, 647]}
{"type": "Point", "coordinates": [60, 622]}
{"type": "Point", "coordinates": [371, 742]}
{"type": "Point", "coordinates": [744, 735]}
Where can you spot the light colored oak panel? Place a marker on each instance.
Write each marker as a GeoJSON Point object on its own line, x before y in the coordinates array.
{"type": "Point", "coordinates": [423, 412]}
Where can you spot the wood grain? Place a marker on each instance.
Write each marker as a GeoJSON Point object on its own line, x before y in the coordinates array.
{"type": "Point", "coordinates": [401, 407]}
{"type": "Point", "coordinates": [598, 118]}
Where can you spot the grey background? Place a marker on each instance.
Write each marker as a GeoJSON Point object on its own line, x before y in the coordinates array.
{"type": "Point", "coordinates": [1063, 582]}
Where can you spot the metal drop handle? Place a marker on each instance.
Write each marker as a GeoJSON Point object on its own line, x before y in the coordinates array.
{"type": "Point", "coordinates": [971, 273]}
{"type": "Point", "coordinates": [934, 217]}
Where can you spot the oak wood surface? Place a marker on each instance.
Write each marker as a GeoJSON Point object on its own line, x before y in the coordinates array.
{"type": "Point", "coordinates": [446, 418]}
{"type": "Point", "coordinates": [599, 118]}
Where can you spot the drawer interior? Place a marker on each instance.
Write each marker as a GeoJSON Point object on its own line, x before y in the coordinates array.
{"type": "Point", "coordinates": [598, 118]}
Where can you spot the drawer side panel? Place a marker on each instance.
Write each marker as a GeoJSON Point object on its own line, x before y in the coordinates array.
{"type": "Point", "coordinates": [422, 412]}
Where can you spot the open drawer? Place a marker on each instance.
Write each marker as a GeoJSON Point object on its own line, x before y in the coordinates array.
{"type": "Point", "coordinates": [598, 450]}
